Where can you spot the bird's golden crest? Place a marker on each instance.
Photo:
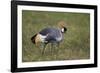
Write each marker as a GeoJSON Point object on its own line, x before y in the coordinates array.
{"type": "Point", "coordinates": [61, 24]}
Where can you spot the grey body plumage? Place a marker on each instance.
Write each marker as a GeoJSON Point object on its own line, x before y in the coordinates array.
{"type": "Point", "coordinates": [53, 35]}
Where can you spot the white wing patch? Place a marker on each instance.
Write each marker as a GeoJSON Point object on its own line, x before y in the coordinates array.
{"type": "Point", "coordinates": [42, 37]}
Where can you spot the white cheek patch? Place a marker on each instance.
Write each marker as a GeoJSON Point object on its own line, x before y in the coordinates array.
{"type": "Point", "coordinates": [62, 30]}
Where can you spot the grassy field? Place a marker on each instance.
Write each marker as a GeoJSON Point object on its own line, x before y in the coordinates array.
{"type": "Point", "coordinates": [76, 43]}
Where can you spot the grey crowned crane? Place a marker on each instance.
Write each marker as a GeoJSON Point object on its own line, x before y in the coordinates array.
{"type": "Point", "coordinates": [50, 35]}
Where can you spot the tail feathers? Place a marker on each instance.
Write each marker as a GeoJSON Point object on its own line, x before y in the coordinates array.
{"type": "Point", "coordinates": [33, 38]}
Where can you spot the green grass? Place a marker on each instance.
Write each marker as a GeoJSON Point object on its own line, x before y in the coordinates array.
{"type": "Point", "coordinates": [76, 43]}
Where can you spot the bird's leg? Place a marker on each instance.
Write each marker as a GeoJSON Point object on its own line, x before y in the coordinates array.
{"type": "Point", "coordinates": [58, 45]}
{"type": "Point", "coordinates": [51, 48]}
{"type": "Point", "coordinates": [57, 50]}
{"type": "Point", "coordinates": [40, 47]}
{"type": "Point", "coordinates": [44, 48]}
